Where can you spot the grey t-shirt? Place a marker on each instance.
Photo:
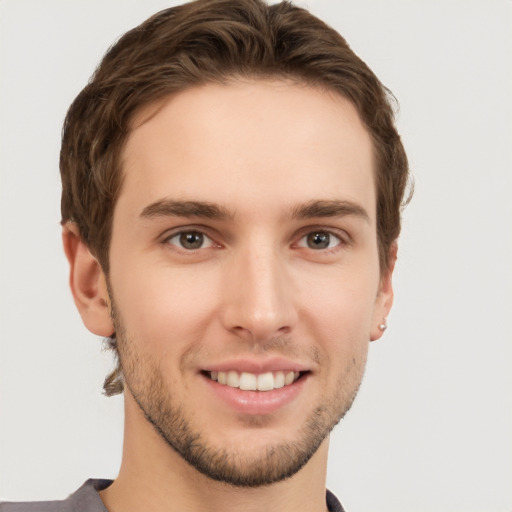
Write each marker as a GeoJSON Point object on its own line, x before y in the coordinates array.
{"type": "Point", "coordinates": [87, 499]}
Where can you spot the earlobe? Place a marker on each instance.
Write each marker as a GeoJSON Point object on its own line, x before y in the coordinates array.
{"type": "Point", "coordinates": [384, 299]}
{"type": "Point", "coordinates": [87, 282]}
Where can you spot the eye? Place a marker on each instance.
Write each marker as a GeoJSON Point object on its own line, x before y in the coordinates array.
{"type": "Point", "coordinates": [319, 240]}
{"type": "Point", "coordinates": [190, 240]}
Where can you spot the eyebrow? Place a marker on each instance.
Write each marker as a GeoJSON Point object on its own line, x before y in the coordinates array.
{"type": "Point", "coordinates": [329, 208]}
{"type": "Point", "coordinates": [204, 209]}
{"type": "Point", "coordinates": [171, 208]}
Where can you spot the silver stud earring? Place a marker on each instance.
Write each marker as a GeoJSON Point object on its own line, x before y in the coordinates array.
{"type": "Point", "coordinates": [383, 327]}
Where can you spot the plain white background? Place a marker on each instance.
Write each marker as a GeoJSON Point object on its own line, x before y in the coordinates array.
{"type": "Point", "coordinates": [431, 428]}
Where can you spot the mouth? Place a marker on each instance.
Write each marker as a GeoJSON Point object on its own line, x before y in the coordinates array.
{"type": "Point", "coordinates": [247, 381]}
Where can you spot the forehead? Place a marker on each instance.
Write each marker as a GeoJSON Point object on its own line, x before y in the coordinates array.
{"type": "Point", "coordinates": [249, 143]}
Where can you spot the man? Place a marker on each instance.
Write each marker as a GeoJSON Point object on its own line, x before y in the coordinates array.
{"type": "Point", "coordinates": [232, 183]}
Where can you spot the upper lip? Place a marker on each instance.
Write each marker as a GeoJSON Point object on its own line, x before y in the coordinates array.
{"type": "Point", "coordinates": [256, 366]}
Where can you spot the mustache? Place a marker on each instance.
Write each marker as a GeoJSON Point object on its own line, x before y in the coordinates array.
{"type": "Point", "coordinates": [280, 345]}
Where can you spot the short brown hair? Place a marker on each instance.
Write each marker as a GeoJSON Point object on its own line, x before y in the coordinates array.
{"type": "Point", "coordinates": [215, 41]}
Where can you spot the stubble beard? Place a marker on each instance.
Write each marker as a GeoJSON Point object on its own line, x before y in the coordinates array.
{"type": "Point", "coordinates": [275, 463]}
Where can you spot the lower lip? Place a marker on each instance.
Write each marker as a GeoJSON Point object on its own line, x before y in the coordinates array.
{"type": "Point", "coordinates": [256, 402]}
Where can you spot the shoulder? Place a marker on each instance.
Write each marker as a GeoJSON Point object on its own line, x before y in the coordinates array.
{"type": "Point", "coordinates": [85, 499]}
{"type": "Point", "coordinates": [35, 506]}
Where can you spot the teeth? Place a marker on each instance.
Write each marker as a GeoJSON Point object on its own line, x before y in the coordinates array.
{"type": "Point", "coordinates": [278, 380]}
{"type": "Point", "coordinates": [265, 382]}
{"type": "Point", "coordinates": [232, 379]}
{"type": "Point", "coordinates": [248, 381]}
{"type": "Point", "coordinates": [252, 382]}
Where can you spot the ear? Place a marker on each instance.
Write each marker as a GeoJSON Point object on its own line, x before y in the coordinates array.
{"type": "Point", "coordinates": [87, 282]}
{"type": "Point", "coordinates": [384, 299]}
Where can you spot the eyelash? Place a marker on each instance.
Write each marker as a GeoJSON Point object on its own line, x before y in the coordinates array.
{"type": "Point", "coordinates": [320, 232]}
{"type": "Point", "coordinates": [190, 231]}
{"type": "Point", "coordinates": [342, 238]}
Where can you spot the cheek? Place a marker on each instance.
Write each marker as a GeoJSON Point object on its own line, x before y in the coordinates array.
{"type": "Point", "coordinates": [165, 309]}
{"type": "Point", "coordinates": [341, 307]}
{"type": "Point", "coordinates": [338, 316]}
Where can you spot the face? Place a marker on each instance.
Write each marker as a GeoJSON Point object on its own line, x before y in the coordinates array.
{"type": "Point", "coordinates": [244, 276]}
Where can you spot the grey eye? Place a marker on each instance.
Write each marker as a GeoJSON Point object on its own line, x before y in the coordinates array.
{"type": "Point", "coordinates": [190, 240]}
{"type": "Point", "coordinates": [318, 240]}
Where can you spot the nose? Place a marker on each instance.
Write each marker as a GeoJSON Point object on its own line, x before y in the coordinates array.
{"type": "Point", "coordinates": [259, 296]}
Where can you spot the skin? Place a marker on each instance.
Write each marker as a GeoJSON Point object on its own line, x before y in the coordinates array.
{"type": "Point", "coordinates": [286, 270]}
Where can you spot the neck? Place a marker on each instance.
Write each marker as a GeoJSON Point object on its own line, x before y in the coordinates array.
{"type": "Point", "coordinates": [154, 477]}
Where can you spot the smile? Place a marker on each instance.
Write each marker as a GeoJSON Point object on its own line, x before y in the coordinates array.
{"type": "Point", "coordinates": [254, 382]}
